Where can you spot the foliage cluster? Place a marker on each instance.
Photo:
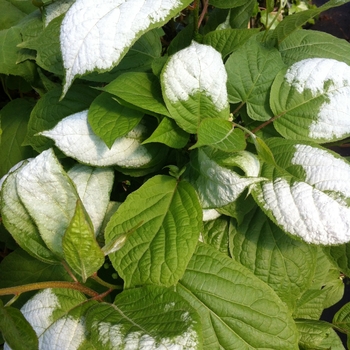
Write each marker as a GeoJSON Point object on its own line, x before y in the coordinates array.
{"type": "Point", "coordinates": [167, 175]}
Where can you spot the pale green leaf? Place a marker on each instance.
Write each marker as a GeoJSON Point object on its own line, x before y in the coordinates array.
{"type": "Point", "coordinates": [20, 224]}
{"type": "Point", "coordinates": [81, 251]}
{"type": "Point", "coordinates": [340, 255]}
{"type": "Point", "coordinates": [228, 40]}
{"type": "Point", "coordinates": [14, 118]}
{"type": "Point", "coordinates": [110, 120]}
{"type": "Point", "coordinates": [342, 319]}
{"type": "Point", "coordinates": [140, 89]}
{"type": "Point", "coordinates": [307, 192]}
{"type": "Point", "coordinates": [310, 100]}
{"type": "Point", "coordinates": [285, 264]}
{"type": "Point", "coordinates": [94, 186]}
{"type": "Point", "coordinates": [119, 22]}
{"type": "Point", "coordinates": [16, 330]}
{"type": "Point", "coordinates": [75, 138]}
{"type": "Point", "coordinates": [304, 44]}
{"type": "Point", "coordinates": [150, 317]}
{"type": "Point", "coordinates": [216, 233]}
{"type": "Point", "coordinates": [168, 218]}
{"type": "Point", "coordinates": [217, 185]}
{"type": "Point", "coordinates": [170, 134]}
{"type": "Point", "coordinates": [251, 70]}
{"type": "Point", "coordinates": [237, 310]}
{"type": "Point", "coordinates": [310, 304]}
{"type": "Point", "coordinates": [194, 86]}
{"type": "Point", "coordinates": [49, 197]}
{"type": "Point", "coordinates": [220, 134]}
{"type": "Point", "coordinates": [49, 111]}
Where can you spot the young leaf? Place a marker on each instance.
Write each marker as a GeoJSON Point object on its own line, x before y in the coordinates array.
{"type": "Point", "coordinates": [94, 186]}
{"type": "Point", "coordinates": [309, 198]}
{"type": "Point", "coordinates": [114, 21]}
{"type": "Point", "coordinates": [19, 223]}
{"type": "Point", "coordinates": [251, 71]}
{"type": "Point", "coordinates": [110, 120]}
{"type": "Point", "coordinates": [16, 330]}
{"type": "Point", "coordinates": [170, 134]}
{"type": "Point", "coordinates": [217, 185]}
{"type": "Point", "coordinates": [220, 134]}
{"type": "Point", "coordinates": [311, 100]}
{"type": "Point", "coordinates": [81, 251]}
{"type": "Point", "coordinates": [285, 264]}
{"type": "Point", "coordinates": [150, 317]}
{"type": "Point", "coordinates": [194, 86]}
{"type": "Point", "coordinates": [140, 89]}
{"type": "Point", "coordinates": [49, 196]}
{"type": "Point", "coordinates": [237, 310]}
{"type": "Point", "coordinates": [74, 137]}
{"type": "Point", "coordinates": [158, 251]}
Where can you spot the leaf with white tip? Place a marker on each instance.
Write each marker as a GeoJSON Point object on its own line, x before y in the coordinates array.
{"type": "Point", "coordinates": [217, 185]}
{"type": "Point", "coordinates": [194, 86]}
{"type": "Point", "coordinates": [74, 137]}
{"type": "Point", "coordinates": [308, 192]}
{"type": "Point", "coordinates": [312, 100]}
{"type": "Point", "coordinates": [109, 29]}
{"type": "Point", "coordinates": [150, 317]}
{"type": "Point", "coordinates": [49, 196]}
{"type": "Point", "coordinates": [94, 186]}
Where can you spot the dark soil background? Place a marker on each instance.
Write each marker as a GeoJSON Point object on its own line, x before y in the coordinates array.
{"type": "Point", "coordinates": [336, 21]}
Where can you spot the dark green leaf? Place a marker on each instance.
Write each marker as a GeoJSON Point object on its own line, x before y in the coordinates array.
{"type": "Point", "coordinates": [226, 4]}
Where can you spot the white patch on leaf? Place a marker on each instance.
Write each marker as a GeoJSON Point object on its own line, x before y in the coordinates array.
{"type": "Point", "coordinates": [323, 170]}
{"type": "Point", "coordinates": [307, 212]}
{"type": "Point", "coordinates": [210, 214]}
{"type": "Point", "coordinates": [74, 137]}
{"type": "Point", "coordinates": [331, 78]}
{"type": "Point", "coordinates": [96, 35]}
{"type": "Point", "coordinates": [197, 68]}
{"type": "Point", "coordinates": [56, 9]}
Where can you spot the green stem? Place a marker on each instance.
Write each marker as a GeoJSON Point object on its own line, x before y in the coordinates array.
{"type": "Point", "coordinates": [196, 18]}
{"type": "Point", "coordinates": [104, 283]}
{"type": "Point", "coordinates": [273, 21]}
{"type": "Point", "coordinates": [42, 285]}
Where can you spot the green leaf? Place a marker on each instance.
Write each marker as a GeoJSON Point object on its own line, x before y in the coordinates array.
{"type": "Point", "coordinates": [16, 330]}
{"type": "Point", "coordinates": [313, 334]}
{"type": "Point", "coordinates": [237, 309]}
{"type": "Point", "coordinates": [194, 86]}
{"type": "Point", "coordinates": [308, 182]}
{"type": "Point", "coordinates": [170, 219]}
{"type": "Point", "coordinates": [142, 318]}
{"type": "Point", "coordinates": [226, 4]}
{"type": "Point", "coordinates": [94, 186]}
{"type": "Point", "coordinates": [310, 100]}
{"type": "Point", "coordinates": [220, 134]}
{"type": "Point", "coordinates": [240, 16]}
{"type": "Point", "coordinates": [228, 40]}
{"type": "Point", "coordinates": [216, 233]}
{"type": "Point", "coordinates": [295, 21]}
{"type": "Point", "coordinates": [304, 44]}
{"type": "Point", "coordinates": [14, 118]}
{"type": "Point", "coordinates": [111, 23]}
{"type": "Point", "coordinates": [9, 39]}
{"type": "Point", "coordinates": [310, 304]}
{"type": "Point", "coordinates": [20, 224]}
{"type": "Point", "coordinates": [251, 71]}
{"type": "Point", "coordinates": [58, 317]}
{"type": "Point", "coordinates": [342, 319]}
{"type": "Point", "coordinates": [10, 15]}
{"type": "Point", "coordinates": [139, 89]}
{"type": "Point", "coordinates": [217, 185]}
{"type": "Point", "coordinates": [170, 134]}
{"type": "Point", "coordinates": [283, 263]}
{"type": "Point", "coordinates": [49, 111]}
{"type": "Point", "coordinates": [49, 197]}
{"type": "Point", "coordinates": [81, 251]}
{"type": "Point", "coordinates": [109, 120]}
{"type": "Point", "coordinates": [340, 256]}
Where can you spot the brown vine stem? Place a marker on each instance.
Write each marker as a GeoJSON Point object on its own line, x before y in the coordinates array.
{"type": "Point", "coordinates": [266, 123]}
{"type": "Point", "coordinates": [205, 4]}
{"type": "Point", "coordinates": [52, 284]}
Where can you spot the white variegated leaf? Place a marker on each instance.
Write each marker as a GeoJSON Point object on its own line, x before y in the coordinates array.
{"type": "Point", "coordinates": [97, 34]}
{"type": "Point", "coordinates": [49, 197]}
{"type": "Point", "coordinates": [311, 201]}
{"type": "Point", "coordinates": [74, 137]}
{"type": "Point", "coordinates": [56, 9]}
{"type": "Point", "coordinates": [94, 186]}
